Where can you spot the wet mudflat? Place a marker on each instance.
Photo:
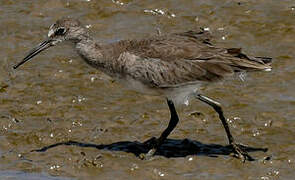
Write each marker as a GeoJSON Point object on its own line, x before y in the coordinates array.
{"type": "Point", "coordinates": [58, 98]}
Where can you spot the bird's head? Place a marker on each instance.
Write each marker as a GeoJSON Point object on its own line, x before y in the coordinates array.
{"type": "Point", "coordinates": [65, 29]}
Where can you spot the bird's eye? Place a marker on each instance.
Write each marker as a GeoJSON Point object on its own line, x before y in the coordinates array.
{"type": "Point", "coordinates": [60, 31]}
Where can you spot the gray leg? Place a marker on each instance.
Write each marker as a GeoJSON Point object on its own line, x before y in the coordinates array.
{"type": "Point", "coordinates": [172, 124]}
{"type": "Point", "coordinates": [238, 149]}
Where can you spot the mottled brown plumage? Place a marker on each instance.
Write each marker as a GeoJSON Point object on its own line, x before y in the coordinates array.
{"type": "Point", "coordinates": [174, 65]}
{"type": "Point", "coordinates": [174, 59]}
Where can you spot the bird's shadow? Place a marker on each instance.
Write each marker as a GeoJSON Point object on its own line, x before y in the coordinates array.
{"type": "Point", "coordinates": [170, 148]}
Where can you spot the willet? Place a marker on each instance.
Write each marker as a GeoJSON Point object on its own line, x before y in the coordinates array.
{"type": "Point", "coordinates": [174, 66]}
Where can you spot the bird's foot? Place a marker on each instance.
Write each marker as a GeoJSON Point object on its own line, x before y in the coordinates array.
{"type": "Point", "coordinates": [149, 155]}
{"type": "Point", "coordinates": [151, 144]}
{"type": "Point", "coordinates": [240, 152]}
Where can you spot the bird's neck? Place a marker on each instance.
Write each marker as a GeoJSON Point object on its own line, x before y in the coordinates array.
{"type": "Point", "coordinates": [98, 56]}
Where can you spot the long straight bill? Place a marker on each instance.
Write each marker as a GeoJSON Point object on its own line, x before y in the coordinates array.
{"type": "Point", "coordinates": [36, 50]}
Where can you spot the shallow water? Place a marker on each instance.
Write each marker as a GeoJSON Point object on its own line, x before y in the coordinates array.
{"type": "Point", "coordinates": [56, 97]}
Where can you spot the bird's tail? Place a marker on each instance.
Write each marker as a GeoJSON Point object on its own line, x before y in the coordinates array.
{"type": "Point", "coordinates": [267, 62]}
{"type": "Point", "coordinates": [250, 63]}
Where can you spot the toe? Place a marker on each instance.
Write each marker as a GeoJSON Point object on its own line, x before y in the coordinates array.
{"type": "Point", "coordinates": [241, 153]}
{"type": "Point", "coordinates": [148, 155]}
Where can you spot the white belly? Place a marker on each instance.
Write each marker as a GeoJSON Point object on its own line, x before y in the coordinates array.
{"type": "Point", "coordinates": [178, 94]}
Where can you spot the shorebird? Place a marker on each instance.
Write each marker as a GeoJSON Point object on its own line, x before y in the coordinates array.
{"type": "Point", "coordinates": [174, 66]}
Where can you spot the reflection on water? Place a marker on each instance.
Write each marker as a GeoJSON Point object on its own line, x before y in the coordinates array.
{"type": "Point", "coordinates": [58, 98]}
